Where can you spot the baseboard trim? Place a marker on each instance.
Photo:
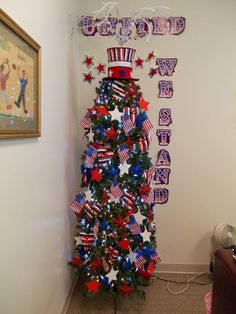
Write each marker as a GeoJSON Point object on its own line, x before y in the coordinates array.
{"type": "Point", "coordinates": [182, 268]}
{"type": "Point", "coordinates": [69, 295]}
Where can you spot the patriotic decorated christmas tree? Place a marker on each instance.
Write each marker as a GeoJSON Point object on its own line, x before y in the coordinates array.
{"type": "Point", "coordinates": [115, 243]}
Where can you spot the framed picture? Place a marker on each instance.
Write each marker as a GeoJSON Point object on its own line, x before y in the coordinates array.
{"type": "Point", "coordinates": [19, 81]}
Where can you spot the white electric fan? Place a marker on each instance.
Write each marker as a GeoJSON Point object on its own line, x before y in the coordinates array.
{"type": "Point", "coordinates": [225, 235]}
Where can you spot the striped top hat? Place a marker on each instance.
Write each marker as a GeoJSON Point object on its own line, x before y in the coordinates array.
{"type": "Point", "coordinates": [120, 62]}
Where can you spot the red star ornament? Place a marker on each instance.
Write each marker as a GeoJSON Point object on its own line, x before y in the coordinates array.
{"type": "Point", "coordinates": [111, 134]}
{"type": "Point", "coordinates": [151, 56]}
{"type": "Point", "coordinates": [102, 111]}
{"type": "Point", "coordinates": [124, 244]}
{"type": "Point", "coordinates": [125, 289]}
{"type": "Point", "coordinates": [88, 61]}
{"type": "Point", "coordinates": [76, 261]}
{"type": "Point", "coordinates": [120, 221]}
{"type": "Point", "coordinates": [139, 62]}
{"type": "Point", "coordinates": [144, 274]}
{"type": "Point", "coordinates": [88, 77]}
{"type": "Point", "coordinates": [153, 71]}
{"type": "Point", "coordinates": [96, 175]}
{"type": "Point", "coordinates": [93, 285]}
{"type": "Point", "coordinates": [143, 104]}
{"type": "Point", "coordinates": [101, 68]}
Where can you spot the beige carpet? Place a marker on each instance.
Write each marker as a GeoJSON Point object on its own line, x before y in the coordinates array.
{"type": "Point", "coordinates": [158, 300]}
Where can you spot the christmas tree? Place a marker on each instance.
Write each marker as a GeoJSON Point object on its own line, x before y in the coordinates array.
{"type": "Point", "coordinates": [115, 244]}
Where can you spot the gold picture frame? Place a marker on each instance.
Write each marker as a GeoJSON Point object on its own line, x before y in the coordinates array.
{"type": "Point", "coordinates": [19, 81]}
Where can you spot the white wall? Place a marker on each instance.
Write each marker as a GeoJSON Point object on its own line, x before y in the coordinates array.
{"type": "Point", "coordinates": [203, 146]}
{"type": "Point", "coordinates": [40, 176]}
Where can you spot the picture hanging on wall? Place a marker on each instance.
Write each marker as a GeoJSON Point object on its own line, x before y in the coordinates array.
{"type": "Point", "coordinates": [19, 81]}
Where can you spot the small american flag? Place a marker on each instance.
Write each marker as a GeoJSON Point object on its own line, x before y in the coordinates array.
{"type": "Point", "coordinates": [86, 121]}
{"type": "Point", "coordinates": [148, 199]}
{"type": "Point", "coordinates": [90, 157]}
{"type": "Point", "coordinates": [127, 123]}
{"type": "Point", "coordinates": [78, 204]}
{"type": "Point", "coordinates": [147, 125]}
{"type": "Point", "coordinates": [123, 153]}
{"type": "Point", "coordinates": [116, 190]}
{"type": "Point", "coordinates": [140, 261]}
{"type": "Point", "coordinates": [135, 229]}
{"type": "Point", "coordinates": [156, 258]}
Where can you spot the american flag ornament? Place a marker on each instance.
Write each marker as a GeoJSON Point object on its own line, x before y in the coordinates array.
{"type": "Point", "coordinates": [116, 190]}
{"type": "Point", "coordinates": [78, 204]}
{"type": "Point", "coordinates": [128, 125]}
{"type": "Point", "coordinates": [86, 121]}
{"type": "Point", "coordinates": [140, 261]}
{"type": "Point", "coordinates": [90, 157]}
{"type": "Point", "coordinates": [123, 153]}
{"type": "Point", "coordinates": [156, 258]}
{"type": "Point", "coordinates": [135, 229]}
{"type": "Point", "coordinates": [91, 210]}
{"type": "Point", "coordinates": [104, 156]}
{"type": "Point", "coordinates": [147, 125]}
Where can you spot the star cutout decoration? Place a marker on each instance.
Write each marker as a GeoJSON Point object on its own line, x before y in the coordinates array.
{"type": "Point", "coordinates": [132, 257]}
{"type": "Point", "coordinates": [88, 77]}
{"type": "Point", "coordinates": [124, 168]}
{"type": "Point", "coordinates": [102, 111]}
{"type": "Point", "coordinates": [90, 136]}
{"type": "Point", "coordinates": [139, 62]}
{"type": "Point", "coordinates": [112, 275]}
{"type": "Point", "coordinates": [101, 68]}
{"type": "Point", "coordinates": [88, 61]}
{"type": "Point", "coordinates": [78, 240]}
{"type": "Point", "coordinates": [139, 217]}
{"type": "Point", "coordinates": [111, 134]}
{"type": "Point", "coordinates": [143, 104]}
{"type": "Point", "coordinates": [146, 235]}
{"type": "Point", "coordinates": [116, 114]}
{"type": "Point", "coordinates": [152, 72]}
{"type": "Point", "coordinates": [125, 289]}
{"type": "Point", "coordinates": [122, 73]}
{"type": "Point", "coordinates": [93, 285]}
{"type": "Point", "coordinates": [151, 56]}
{"type": "Point", "coordinates": [96, 175]}
{"type": "Point", "coordinates": [124, 244]}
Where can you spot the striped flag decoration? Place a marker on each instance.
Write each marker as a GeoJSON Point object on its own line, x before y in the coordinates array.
{"type": "Point", "coordinates": [96, 228]}
{"type": "Point", "coordinates": [90, 157]}
{"type": "Point", "coordinates": [128, 125]}
{"type": "Point", "coordinates": [135, 229]}
{"type": "Point", "coordinates": [156, 258]}
{"type": "Point", "coordinates": [78, 204]}
{"type": "Point", "coordinates": [134, 111]}
{"type": "Point", "coordinates": [123, 153]}
{"type": "Point", "coordinates": [148, 199]}
{"type": "Point", "coordinates": [105, 156]}
{"type": "Point", "coordinates": [116, 190]}
{"type": "Point", "coordinates": [113, 254]}
{"type": "Point", "coordinates": [86, 121]}
{"type": "Point", "coordinates": [118, 90]}
{"type": "Point", "coordinates": [147, 125]}
{"type": "Point", "coordinates": [140, 261]}
{"type": "Point", "coordinates": [92, 210]}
